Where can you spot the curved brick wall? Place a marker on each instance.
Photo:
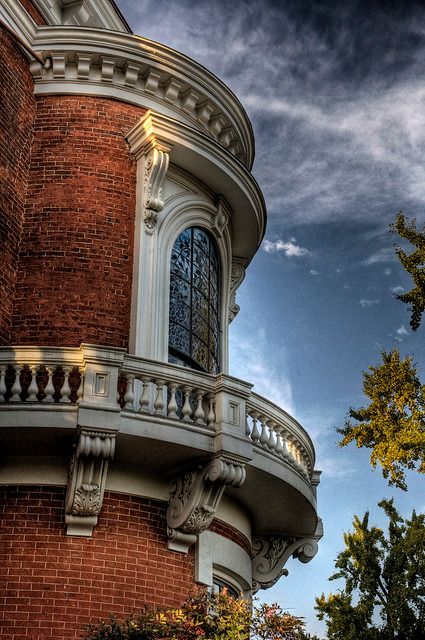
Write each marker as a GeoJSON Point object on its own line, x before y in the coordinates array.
{"type": "Point", "coordinates": [51, 585]}
{"type": "Point", "coordinates": [17, 109]}
{"type": "Point", "coordinates": [75, 266]}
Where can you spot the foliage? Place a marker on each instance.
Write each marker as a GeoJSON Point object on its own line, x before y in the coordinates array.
{"type": "Point", "coordinates": [384, 577]}
{"type": "Point", "coordinates": [393, 424]}
{"type": "Point", "coordinates": [414, 264]}
{"type": "Point", "coordinates": [211, 616]}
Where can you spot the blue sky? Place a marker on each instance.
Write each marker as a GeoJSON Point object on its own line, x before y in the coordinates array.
{"type": "Point", "coordinates": [336, 96]}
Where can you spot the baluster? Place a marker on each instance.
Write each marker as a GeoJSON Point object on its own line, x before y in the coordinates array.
{"type": "Point", "coordinates": [33, 388]}
{"type": "Point", "coordinates": [172, 405]}
{"type": "Point", "coordinates": [129, 394]}
{"type": "Point", "coordinates": [272, 443]}
{"type": "Point", "coordinates": [3, 388]}
{"type": "Point", "coordinates": [290, 446]}
{"type": "Point", "coordinates": [211, 414]}
{"type": "Point", "coordinates": [264, 438]}
{"type": "Point", "coordinates": [285, 445]}
{"type": "Point", "coordinates": [16, 389]}
{"type": "Point", "coordinates": [159, 400]}
{"type": "Point", "coordinates": [80, 390]}
{"type": "Point", "coordinates": [187, 409]}
{"type": "Point", "coordinates": [199, 414]}
{"type": "Point", "coordinates": [247, 427]}
{"type": "Point", "coordinates": [50, 389]}
{"type": "Point", "coordinates": [255, 433]}
{"type": "Point", "coordinates": [279, 441]}
{"type": "Point", "coordinates": [65, 389]}
{"type": "Point", "coordinates": [144, 397]}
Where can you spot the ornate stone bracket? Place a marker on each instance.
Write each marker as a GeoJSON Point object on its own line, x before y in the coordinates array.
{"type": "Point", "coordinates": [87, 479]}
{"type": "Point", "coordinates": [271, 553]}
{"type": "Point", "coordinates": [236, 278]}
{"type": "Point", "coordinates": [155, 170]}
{"type": "Point", "coordinates": [195, 497]}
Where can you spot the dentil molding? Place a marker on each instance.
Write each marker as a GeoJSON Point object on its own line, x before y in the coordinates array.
{"type": "Point", "coordinates": [195, 496]}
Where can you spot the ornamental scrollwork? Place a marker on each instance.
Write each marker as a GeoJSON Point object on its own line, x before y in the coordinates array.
{"type": "Point", "coordinates": [155, 170]}
{"type": "Point", "coordinates": [94, 449]}
{"type": "Point", "coordinates": [236, 277]}
{"type": "Point", "coordinates": [270, 554]}
{"type": "Point", "coordinates": [194, 498]}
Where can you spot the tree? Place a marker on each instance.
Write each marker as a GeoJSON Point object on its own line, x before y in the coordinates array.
{"type": "Point", "coordinates": [414, 264]}
{"type": "Point", "coordinates": [393, 424]}
{"type": "Point", "coordinates": [384, 593]}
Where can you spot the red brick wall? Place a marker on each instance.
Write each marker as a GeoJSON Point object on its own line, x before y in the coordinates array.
{"type": "Point", "coordinates": [75, 270]}
{"type": "Point", "coordinates": [17, 109]}
{"type": "Point", "coordinates": [51, 585]}
{"type": "Point", "coordinates": [33, 11]}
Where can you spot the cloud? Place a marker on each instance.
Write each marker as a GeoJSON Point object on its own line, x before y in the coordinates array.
{"type": "Point", "coordinates": [397, 289]}
{"type": "Point", "coordinates": [290, 248]}
{"type": "Point", "coordinates": [314, 272]}
{"type": "Point", "coordinates": [386, 254]}
{"type": "Point", "coordinates": [402, 331]}
{"type": "Point", "coordinates": [387, 272]}
{"type": "Point", "coordinates": [368, 303]}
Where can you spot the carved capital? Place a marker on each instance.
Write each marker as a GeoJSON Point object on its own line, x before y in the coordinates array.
{"type": "Point", "coordinates": [195, 496]}
{"type": "Point", "coordinates": [155, 170]}
{"type": "Point", "coordinates": [236, 277]}
{"type": "Point", "coordinates": [270, 555]}
{"type": "Point", "coordinates": [94, 449]}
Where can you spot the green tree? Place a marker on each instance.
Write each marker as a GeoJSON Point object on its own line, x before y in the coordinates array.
{"type": "Point", "coordinates": [393, 424]}
{"type": "Point", "coordinates": [414, 263]}
{"type": "Point", "coordinates": [384, 593]}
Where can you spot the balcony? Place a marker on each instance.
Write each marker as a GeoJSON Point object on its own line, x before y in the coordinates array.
{"type": "Point", "coordinates": [164, 419]}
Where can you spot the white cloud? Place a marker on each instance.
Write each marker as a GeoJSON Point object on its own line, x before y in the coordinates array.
{"type": "Point", "coordinates": [314, 272]}
{"type": "Point", "coordinates": [387, 271]}
{"type": "Point", "coordinates": [365, 302]}
{"type": "Point", "coordinates": [386, 254]}
{"type": "Point", "coordinates": [402, 331]}
{"type": "Point", "coordinates": [397, 289]}
{"type": "Point", "coordinates": [290, 248]}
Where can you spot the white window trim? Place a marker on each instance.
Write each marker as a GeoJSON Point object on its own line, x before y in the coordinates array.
{"type": "Point", "coordinates": [217, 556]}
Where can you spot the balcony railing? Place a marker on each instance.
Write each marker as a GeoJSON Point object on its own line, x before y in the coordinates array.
{"type": "Point", "coordinates": [101, 377]}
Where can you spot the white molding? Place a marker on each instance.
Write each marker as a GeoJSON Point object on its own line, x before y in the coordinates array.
{"type": "Point", "coordinates": [15, 16]}
{"type": "Point", "coordinates": [89, 13]}
{"type": "Point", "coordinates": [147, 74]}
{"type": "Point", "coordinates": [218, 556]}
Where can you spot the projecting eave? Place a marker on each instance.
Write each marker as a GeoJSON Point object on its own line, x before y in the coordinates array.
{"type": "Point", "coordinates": [215, 167]}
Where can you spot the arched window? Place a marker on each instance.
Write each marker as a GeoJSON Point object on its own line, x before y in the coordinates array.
{"type": "Point", "coordinates": [194, 301]}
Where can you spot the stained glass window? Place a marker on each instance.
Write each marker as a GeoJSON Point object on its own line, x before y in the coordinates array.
{"type": "Point", "coordinates": [194, 291]}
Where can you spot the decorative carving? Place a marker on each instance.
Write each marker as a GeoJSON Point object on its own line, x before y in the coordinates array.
{"type": "Point", "coordinates": [236, 278]}
{"type": "Point", "coordinates": [87, 479]}
{"type": "Point", "coordinates": [271, 553]}
{"type": "Point", "coordinates": [155, 170]}
{"type": "Point", "coordinates": [195, 497]}
{"type": "Point", "coordinates": [221, 218]}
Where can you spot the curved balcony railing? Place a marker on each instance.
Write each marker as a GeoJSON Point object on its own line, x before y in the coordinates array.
{"type": "Point", "coordinates": [134, 386]}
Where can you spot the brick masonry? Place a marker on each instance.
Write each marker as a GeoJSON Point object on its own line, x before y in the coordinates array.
{"type": "Point", "coordinates": [17, 110]}
{"type": "Point", "coordinates": [75, 264]}
{"type": "Point", "coordinates": [51, 585]}
{"type": "Point", "coordinates": [33, 11]}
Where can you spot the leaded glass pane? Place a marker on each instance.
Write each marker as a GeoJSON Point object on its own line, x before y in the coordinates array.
{"type": "Point", "coordinates": [194, 283]}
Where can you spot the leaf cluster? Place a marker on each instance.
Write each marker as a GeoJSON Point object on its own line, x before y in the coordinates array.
{"type": "Point", "coordinates": [384, 578]}
{"type": "Point", "coordinates": [215, 616]}
{"type": "Point", "coordinates": [414, 263]}
{"type": "Point", "coordinates": [393, 424]}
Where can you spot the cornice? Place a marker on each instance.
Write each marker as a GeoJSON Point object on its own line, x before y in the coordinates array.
{"type": "Point", "coordinates": [204, 158]}
{"type": "Point", "coordinates": [13, 14]}
{"type": "Point", "coordinates": [99, 13]}
{"type": "Point", "coordinates": [133, 69]}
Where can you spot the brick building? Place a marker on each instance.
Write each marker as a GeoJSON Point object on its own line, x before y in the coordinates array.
{"type": "Point", "coordinates": [132, 466]}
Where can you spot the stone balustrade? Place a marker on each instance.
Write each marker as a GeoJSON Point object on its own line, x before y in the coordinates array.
{"type": "Point", "coordinates": [131, 386]}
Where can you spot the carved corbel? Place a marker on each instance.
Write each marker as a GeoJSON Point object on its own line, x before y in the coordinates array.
{"type": "Point", "coordinates": [270, 555]}
{"type": "Point", "coordinates": [221, 217]}
{"type": "Point", "coordinates": [87, 479]}
{"type": "Point", "coordinates": [195, 496]}
{"type": "Point", "coordinates": [236, 277]}
{"type": "Point", "coordinates": [155, 170]}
